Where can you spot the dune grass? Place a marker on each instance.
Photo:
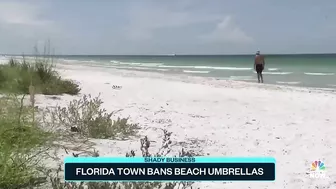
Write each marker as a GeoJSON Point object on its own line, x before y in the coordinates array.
{"type": "Point", "coordinates": [16, 77]}
{"type": "Point", "coordinates": [21, 143]}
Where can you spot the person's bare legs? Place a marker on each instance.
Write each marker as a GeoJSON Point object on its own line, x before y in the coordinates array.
{"type": "Point", "coordinates": [258, 77]}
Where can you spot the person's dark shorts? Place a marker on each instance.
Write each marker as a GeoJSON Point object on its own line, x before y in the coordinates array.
{"type": "Point", "coordinates": [259, 68]}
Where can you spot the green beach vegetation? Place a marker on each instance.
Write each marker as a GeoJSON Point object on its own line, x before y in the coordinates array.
{"type": "Point", "coordinates": [21, 143]}
{"type": "Point", "coordinates": [17, 76]}
{"type": "Point", "coordinates": [30, 135]}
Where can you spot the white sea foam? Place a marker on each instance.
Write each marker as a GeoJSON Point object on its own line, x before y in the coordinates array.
{"type": "Point", "coordinates": [164, 70]}
{"type": "Point", "coordinates": [289, 82]}
{"type": "Point", "coordinates": [4, 60]}
{"type": "Point", "coordinates": [332, 85]}
{"type": "Point", "coordinates": [141, 68]}
{"type": "Point", "coordinates": [207, 67]}
{"type": "Point", "coordinates": [322, 74]}
{"type": "Point", "coordinates": [120, 67]}
{"type": "Point", "coordinates": [115, 61]}
{"type": "Point", "coordinates": [130, 63]}
{"type": "Point", "coordinates": [124, 63]}
{"type": "Point", "coordinates": [191, 71]}
{"type": "Point", "coordinates": [222, 68]}
{"type": "Point", "coordinates": [89, 61]}
{"type": "Point", "coordinates": [277, 73]}
{"type": "Point", "coordinates": [150, 64]}
{"type": "Point", "coordinates": [273, 69]}
{"type": "Point", "coordinates": [138, 68]}
{"type": "Point", "coordinates": [166, 66]}
{"type": "Point", "coordinates": [69, 60]}
{"type": "Point", "coordinates": [142, 64]}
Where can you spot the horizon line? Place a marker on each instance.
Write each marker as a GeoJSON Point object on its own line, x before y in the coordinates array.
{"type": "Point", "coordinates": [172, 55]}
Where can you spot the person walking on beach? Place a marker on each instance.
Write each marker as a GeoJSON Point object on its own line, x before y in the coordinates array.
{"type": "Point", "coordinates": [259, 65]}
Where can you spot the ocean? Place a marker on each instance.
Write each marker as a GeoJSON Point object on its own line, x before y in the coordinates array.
{"type": "Point", "coordinates": [309, 70]}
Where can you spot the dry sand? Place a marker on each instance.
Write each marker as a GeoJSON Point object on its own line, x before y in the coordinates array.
{"type": "Point", "coordinates": [219, 118]}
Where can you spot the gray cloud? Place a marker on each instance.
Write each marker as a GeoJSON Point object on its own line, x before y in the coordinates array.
{"type": "Point", "coordinates": [22, 27]}
{"type": "Point", "coordinates": [146, 20]}
{"type": "Point", "coordinates": [20, 13]}
{"type": "Point", "coordinates": [226, 31]}
{"type": "Point", "coordinates": [152, 28]}
{"type": "Point", "coordinates": [165, 27]}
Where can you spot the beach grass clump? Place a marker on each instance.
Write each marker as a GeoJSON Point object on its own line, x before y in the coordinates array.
{"type": "Point", "coordinates": [89, 119]}
{"type": "Point", "coordinates": [21, 144]}
{"type": "Point", "coordinates": [17, 76]}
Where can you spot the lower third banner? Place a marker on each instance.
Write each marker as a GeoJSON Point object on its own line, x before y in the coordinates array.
{"type": "Point", "coordinates": [167, 169]}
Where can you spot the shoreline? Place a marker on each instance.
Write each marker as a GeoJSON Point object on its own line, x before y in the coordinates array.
{"type": "Point", "coordinates": [216, 82]}
{"type": "Point", "coordinates": [276, 74]}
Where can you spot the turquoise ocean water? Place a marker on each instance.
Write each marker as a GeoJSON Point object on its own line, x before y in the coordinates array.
{"type": "Point", "coordinates": [296, 70]}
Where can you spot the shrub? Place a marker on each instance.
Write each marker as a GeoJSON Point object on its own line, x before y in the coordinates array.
{"type": "Point", "coordinates": [45, 71]}
{"type": "Point", "coordinates": [60, 86]}
{"type": "Point", "coordinates": [18, 76]}
{"type": "Point", "coordinates": [21, 144]}
{"type": "Point", "coordinates": [86, 117]}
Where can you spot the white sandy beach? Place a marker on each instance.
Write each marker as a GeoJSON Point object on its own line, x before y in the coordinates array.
{"type": "Point", "coordinates": [296, 126]}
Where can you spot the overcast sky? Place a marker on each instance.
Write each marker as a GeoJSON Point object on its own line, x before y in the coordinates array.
{"type": "Point", "coordinates": [170, 26]}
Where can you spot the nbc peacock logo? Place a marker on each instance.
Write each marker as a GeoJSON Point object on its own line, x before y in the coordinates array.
{"type": "Point", "coordinates": [318, 166]}
{"type": "Point", "coordinates": [317, 170]}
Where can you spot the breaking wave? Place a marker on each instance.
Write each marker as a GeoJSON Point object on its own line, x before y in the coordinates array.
{"type": "Point", "coordinates": [222, 68]}
{"type": "Point", "coordinates": [321, 74]}
{"type": "Point", "coordinates": [161, 65]}
{"type": "Point", "coordinates": [191, 71]}
{"type": "Point", "coordinates": [289, 82]}
{"type": "Point", "coordinates": [276, 73]}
